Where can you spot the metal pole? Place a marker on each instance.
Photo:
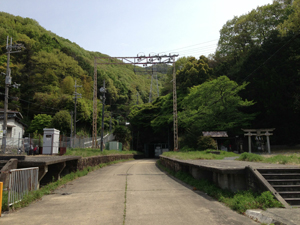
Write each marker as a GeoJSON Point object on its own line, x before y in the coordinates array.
{"type": "Point", "coordinates": [110, 122]}
{"type": "Point", "coordinates": [95, 106]}
{"type": "Point", "coordinates": [4, 128]}
{"type": "Point", "coordinates": [102, 126]}
{"type": "Point", "coordinates": [75, 110]}
{"type": "Point", "coordinates": [175, 122]}
{"type": "Point", "coordinates": [71, 135]}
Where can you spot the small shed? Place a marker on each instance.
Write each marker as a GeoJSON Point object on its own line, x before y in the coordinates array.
{"type": "Point", "coordinates": [50, 141]}
{"type": "Point", "coordinates": [215, 135]}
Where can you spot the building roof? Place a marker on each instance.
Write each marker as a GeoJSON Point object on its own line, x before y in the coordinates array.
{"type": "Point", "coordinates": [12, 114]}
{"type": "Point", "coordinates": [215, 133]}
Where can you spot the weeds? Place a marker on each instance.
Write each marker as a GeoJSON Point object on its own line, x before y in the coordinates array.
{"type": "Point", "coordinates": [239, 201]}
{"type": "Point", "coordinates": [250, 157]}
{"type": "Point", "coordinates": [277, 159]}
{"type": "Point", "coordinates": [199, 155]}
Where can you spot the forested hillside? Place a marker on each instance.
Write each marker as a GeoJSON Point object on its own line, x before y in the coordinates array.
{"type": "Point", "coordinates": [252, 81]}
{"type": "Point", "coordinates": [47, 70]}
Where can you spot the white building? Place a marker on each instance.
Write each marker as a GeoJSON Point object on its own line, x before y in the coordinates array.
{"type": "Point", "coordinates": [15, 128]}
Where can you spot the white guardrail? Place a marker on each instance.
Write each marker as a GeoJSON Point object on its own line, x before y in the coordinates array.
{"type": "Point", "coordinates": [21, 181]}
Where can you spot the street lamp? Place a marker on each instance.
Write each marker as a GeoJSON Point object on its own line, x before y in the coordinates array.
{"type": "Point", "coordinates": [102, 90]}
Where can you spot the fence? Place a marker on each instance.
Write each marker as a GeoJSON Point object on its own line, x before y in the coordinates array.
{"type": "Point", "coordinates": [21, 181]}
{"type": "Point", "coordinates": [81, 142]}
{"type": "Point", "coordinates": [25, 144]}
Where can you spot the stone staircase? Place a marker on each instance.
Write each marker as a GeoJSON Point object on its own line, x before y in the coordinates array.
{"type": "Point", "coordinates": [286, 182]}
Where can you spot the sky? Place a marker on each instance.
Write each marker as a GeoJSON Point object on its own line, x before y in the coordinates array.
{"type": "Point", "coordinates": [124, 28]}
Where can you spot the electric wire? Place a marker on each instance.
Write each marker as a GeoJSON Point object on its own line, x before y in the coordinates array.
{"type": "Point", "coordinates": [31, 102]}
{"type": "Point", "coordinates": [199, 50]}
{"type": "Point", "coordinates": [189, 46]}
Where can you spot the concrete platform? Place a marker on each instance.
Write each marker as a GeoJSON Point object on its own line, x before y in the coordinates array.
{"type": "Point", "coordinates": [227, 174]}
{"type": "Point", "coordinates": [45, 160]}
{"type": "Point", "coordinates": [233, 175]}
{"type": "Point", "coordinates": [233, 166]}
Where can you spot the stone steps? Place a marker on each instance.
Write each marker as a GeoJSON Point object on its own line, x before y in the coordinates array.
{"type": "Point", "coordinates": [286, 182]}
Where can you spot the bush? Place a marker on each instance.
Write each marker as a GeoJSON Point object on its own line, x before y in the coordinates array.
{"type": "Point", "coordinates": [206, 143]}
{"type": "Point", "coordinates": [239, 201]}
{"type": "Point", "coordinates": [250, 157]}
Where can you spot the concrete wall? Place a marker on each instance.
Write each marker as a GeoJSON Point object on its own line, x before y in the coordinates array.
{"type": "Point", "coordinates": [231, 181]}
{"type": "Point", "coordinates": [96, 160]}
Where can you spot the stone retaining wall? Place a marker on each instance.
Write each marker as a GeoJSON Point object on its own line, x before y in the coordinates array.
{"type": "Point", "coordinates": [232, 181]}
{"type": "Point", "coordinates": [96, 160]}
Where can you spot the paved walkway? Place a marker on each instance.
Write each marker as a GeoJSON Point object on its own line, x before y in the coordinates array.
{"type": "Point", "coordinates": [132, 193]}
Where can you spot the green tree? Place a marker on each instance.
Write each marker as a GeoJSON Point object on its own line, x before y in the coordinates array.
{"type": "Point", "coordinates": [67, 85]}
{"type": "Point", "coordinates": [40, 122]}
{"type": "Point", "coordinates": [123, 135]}
{"type": "Point", "coordinates": [194, 72]}
{"type": "Point", "coordinates": [238, 35]}
{"type": "Point", "coordinates": [215, 105]}
{"type": "Point", "coordinates": [61, 121]}
{"type": "Point", "coordinates": [292, 24]}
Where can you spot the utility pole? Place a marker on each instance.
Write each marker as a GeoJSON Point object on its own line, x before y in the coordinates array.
{"type": "Point", "coordinates": [76, 95]}
{"type": "Point", "coordinates": [138, 60]}
{"type": "Point", "coordinates": [175, 126]}
{"type": "Point", "coordinates": [71, 135]}
{"type": "Point", "coordinates": [9, 48]}
{"type": "Point", "coordinates": [110, 122]}
{"type": "Point", "coordinates": [102, 90]}
{"type": "Point", "coordinates": [150, 92]}
{"type": "Point", "coordinates": [95, 106]}
{"type": "Point", "coordinates": [157, 85]}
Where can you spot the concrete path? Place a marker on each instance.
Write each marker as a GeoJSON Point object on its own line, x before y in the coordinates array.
{"type": "Point", "coordinates": [132, 193]}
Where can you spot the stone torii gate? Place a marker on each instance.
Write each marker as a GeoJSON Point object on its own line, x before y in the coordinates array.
{"type": "Point", "coordinates": [258, 133]}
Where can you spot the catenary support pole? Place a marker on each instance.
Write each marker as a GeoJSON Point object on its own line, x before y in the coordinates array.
{"type": "Point", "coordinates": [102, 90]}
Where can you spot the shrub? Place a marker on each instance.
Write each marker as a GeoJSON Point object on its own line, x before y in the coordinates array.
{"type": "Point", "coordinates": [239, 201]}
{"type": "Point", "coordinates": [206, 143]}
{"type": "Point", "coordinates": [250, 157]}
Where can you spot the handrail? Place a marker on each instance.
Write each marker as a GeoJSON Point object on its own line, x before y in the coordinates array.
{"type": "Point", "coordinates": [267, 185]}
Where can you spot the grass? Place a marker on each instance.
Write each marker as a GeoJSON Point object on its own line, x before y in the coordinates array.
{"type": "Point", "coordinates": [49, 188]}
{"type": "Point", "coordinates": [88, 152]}
{"type": "Point", "coordinates": [293, 159]}
{"type": "Point", "coordinates": [199, 154]}
{"type": "Point", "coordinates": [239, 201]}
{"type": "Point", "coordinates": [250, 157]}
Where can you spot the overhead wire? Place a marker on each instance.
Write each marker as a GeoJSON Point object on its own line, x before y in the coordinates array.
{"type": "Point", "coordinates": [189, 46]}
{"type": "Point", "coordinates": [192, 50]}
{"type": "Point", "coordinates": [31, 102]}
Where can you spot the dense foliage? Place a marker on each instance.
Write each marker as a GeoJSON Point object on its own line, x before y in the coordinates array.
{"type": "Point", "coordinates": [252, 81]}
{"type": "Point", "coordinates": [47, 70]}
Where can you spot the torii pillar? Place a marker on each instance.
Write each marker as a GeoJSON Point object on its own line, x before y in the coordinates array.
{"type": "Point", "coordinates": [258, 132]}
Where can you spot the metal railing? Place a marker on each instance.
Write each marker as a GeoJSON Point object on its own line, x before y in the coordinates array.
{"type": "Point", "coordinates": [24, 145]}
{"type": "Point", "coordinates": [81, 142]}
{"type": "Point", "coordinates": [21, 181]}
